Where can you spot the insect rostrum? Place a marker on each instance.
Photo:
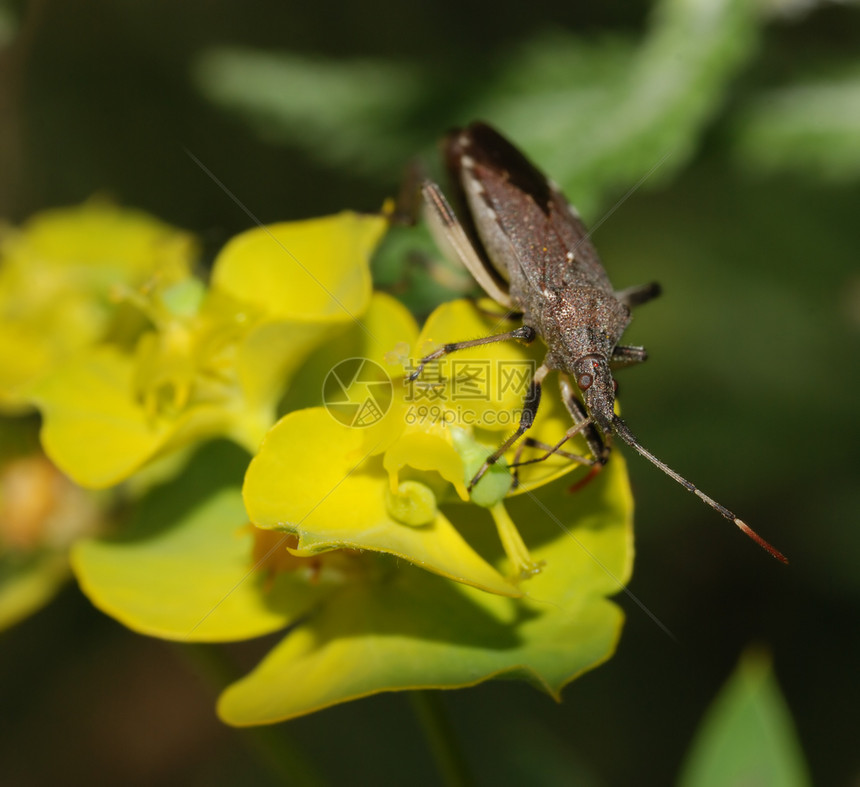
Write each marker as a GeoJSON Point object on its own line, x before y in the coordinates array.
{"type": "Point", "coordinates": [529, 250]}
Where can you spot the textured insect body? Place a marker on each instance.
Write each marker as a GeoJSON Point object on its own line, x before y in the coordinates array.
{"type": "Point", "coordinates": [529, 250]}
{"type": "Point", "coordinates": [537, 243]}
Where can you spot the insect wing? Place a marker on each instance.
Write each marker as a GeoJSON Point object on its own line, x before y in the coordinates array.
{"type": "Point", "coordinates": [523, 220]}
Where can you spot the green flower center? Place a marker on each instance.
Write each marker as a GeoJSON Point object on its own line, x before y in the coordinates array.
{"type": "Point", "coordinates": [413, 504]}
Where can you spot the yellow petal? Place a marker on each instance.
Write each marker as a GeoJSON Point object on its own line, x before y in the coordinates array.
{"type": "Point", "coordinates": [318, 479]}
{"type": "Point", "coordinates": [415, 630]}
{"type": "Point", "coordinates": [482, 389]}
{"type": "Point", "coordinates": [93, 428]}
{"type": "Point", "coordinates": [103, 243]}
{"type": "Point", "coordinates": [315, 270]}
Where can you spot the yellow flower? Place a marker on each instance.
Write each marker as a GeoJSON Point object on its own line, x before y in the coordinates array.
{"type": "Point", "coordinates": [211, 362]}
{"type": "Point", "coordinates": [359, 622]}
{"type": "Point", "coordinates": [57, 277]}
{"type": "Point", "coordinates": [380, 487]}
{"type": "Point", "coordinates": [368, 549]}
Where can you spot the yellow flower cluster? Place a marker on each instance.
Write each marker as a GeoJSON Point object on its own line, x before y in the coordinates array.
{"type": "Point", "coordinates": [276, 393]}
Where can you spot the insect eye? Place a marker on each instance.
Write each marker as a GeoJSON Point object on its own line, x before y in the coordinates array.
{"type": "Point", "coordinates": [615, 386]}
{"type": "Point", "coordinates": [584, 381]}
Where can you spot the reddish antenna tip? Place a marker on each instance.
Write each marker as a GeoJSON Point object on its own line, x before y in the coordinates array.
{"type": "Point", "coordinates": [760, 541]}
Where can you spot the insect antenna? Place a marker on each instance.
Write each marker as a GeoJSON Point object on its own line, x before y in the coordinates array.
{"type": "Point", "coordinates": [622, 430]}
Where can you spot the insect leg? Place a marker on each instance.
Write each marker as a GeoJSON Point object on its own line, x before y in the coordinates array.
{"type": "Point", "coordinates": [641, 293]}
{"type": "Point", "coordinates": [627, 355]}
{"type": "Point", "coordinates": [530, 408]}
{"type": "Point", "coordinates": [549, 450]}
{"type": "Point", "coordinates": [450, 236]}
{"type": "Point", "coordinates": [524, 333]}
{"type": "Point", "coordinates": [582, 421]}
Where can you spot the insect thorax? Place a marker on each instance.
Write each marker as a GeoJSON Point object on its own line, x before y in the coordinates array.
{"type": "Point", "coordinates": [576, 322]}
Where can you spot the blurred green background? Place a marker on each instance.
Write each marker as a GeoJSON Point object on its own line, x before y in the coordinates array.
{"type": "Point", "coordinates": [750, 222]}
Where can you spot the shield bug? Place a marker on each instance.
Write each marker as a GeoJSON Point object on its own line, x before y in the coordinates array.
{"type": "Point", "coordinates": [529, 250]}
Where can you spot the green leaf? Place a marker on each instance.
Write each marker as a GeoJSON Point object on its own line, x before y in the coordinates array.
{"type": "Point", "coordinates": [747, 736]}
{"type": "Point", "coordinates": [185, 569]}
{"type": "Point", "coordinates": [410, 629]}
{"type": "Point", "coordinates": [295, 99]}
{"type": "Point", "coordinates": [610, 111]}
{"type": "Point", "coordinates": [810, 128]}
{"type": "Point", "coordinates": [640, 112]}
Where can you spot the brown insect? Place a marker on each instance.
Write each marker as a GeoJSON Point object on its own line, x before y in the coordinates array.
{"type": "Point", "coordinates": [529, 250]}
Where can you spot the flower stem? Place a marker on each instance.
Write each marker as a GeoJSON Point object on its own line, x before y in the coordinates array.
{"type": "Point", "coordinates": [518, 554]}
{"type": "Point", "coordinates": [441, 738]}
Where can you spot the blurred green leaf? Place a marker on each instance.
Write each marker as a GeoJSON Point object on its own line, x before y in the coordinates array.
{"type": "Point", "coordinates": [811, 128]}
{"type": "Point", "coordinates": [747, 736]}
{"type": "Point", "coordinates": [624, 113]}
{"type": "Point", "coordinates": [337, 111]}
{"type": "Point", "coordinates": [594, 115]}
{"type": "Point", "coordinates": [409, 265]}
